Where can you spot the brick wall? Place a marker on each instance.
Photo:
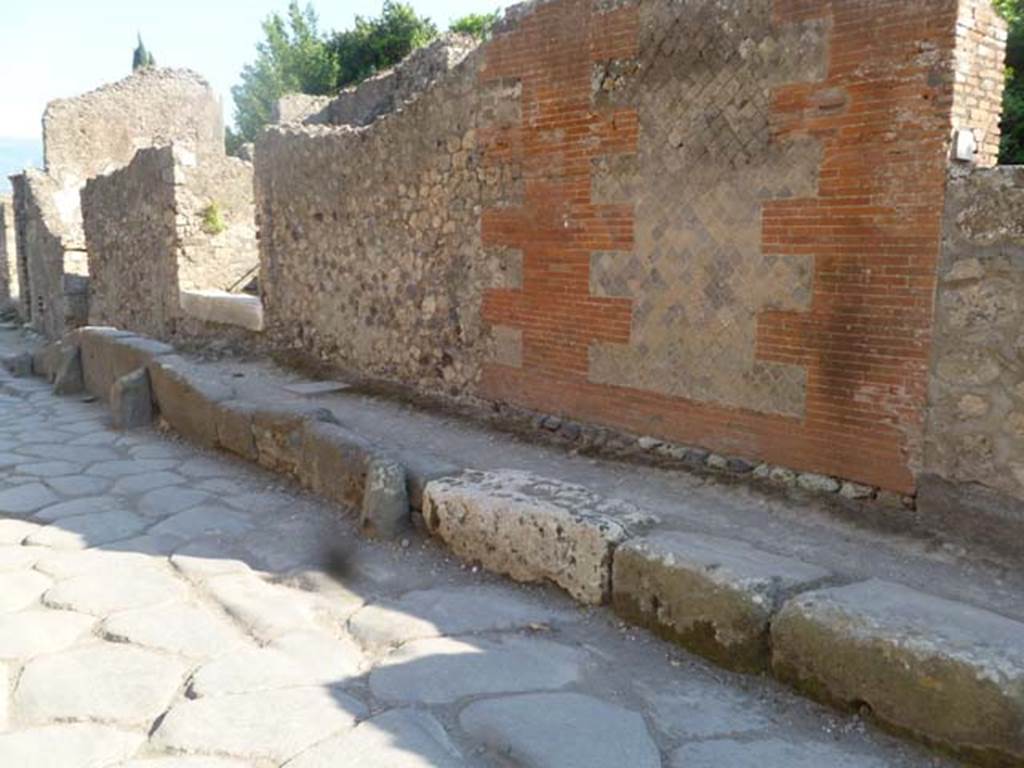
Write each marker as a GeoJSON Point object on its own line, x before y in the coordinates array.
{"type": "Point", "coordinates": [980, 78]}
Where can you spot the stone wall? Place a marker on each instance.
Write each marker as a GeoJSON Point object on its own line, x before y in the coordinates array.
{"type": "Point", "coordinates": [8, 255]}
{"type": "Point", "coordinates": [976, 420]}
{"type": "Point", "coordinates": [980, 79]}
{"type": "Point", "coordinates": [715, 223]}
{"type": "Point", "coordinates": [148, 236]}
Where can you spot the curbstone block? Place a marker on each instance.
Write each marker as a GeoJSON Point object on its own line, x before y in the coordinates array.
{"type": "Point", "coordinates": [108, 354]}
{"type": "Point", "coordinates": [69, 376]}
{"type": "Point", "coordinates": [712, 595]}
{"type": "Point", "coordinates": [278, 432]}
{"type": "Point", "coordinates": [234, 428]}
{"type": "Point", "coordinates": [947, 673]}
{"type": "Point", "coordinates": [131, 401]}
{"type": "Point", "coordinates": [187, 398]}
{"type": "Point", "coordinates": [385, 509]}
{"type": "Point", "coordinates": [420, 469]}
{"type": "Point", "coordinates": [19, 364]}
{"type": "Point", "coordinates": [529, 528]}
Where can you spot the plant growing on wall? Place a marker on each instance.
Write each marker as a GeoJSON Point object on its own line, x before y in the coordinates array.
{"type": "Point", "coordinates": [213, 219]}
{"type": "Point", "coordinates": [378, 43]}
{"type": "Point", "coordinates": [1011, 150]}
{"type": "Point", "coordinates": [477, 25]}
{"type": "Point", "coordinates": [142, 58]}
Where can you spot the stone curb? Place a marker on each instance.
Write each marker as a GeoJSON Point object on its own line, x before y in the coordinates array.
{"type": "Point", "coordinates": [942, 672]}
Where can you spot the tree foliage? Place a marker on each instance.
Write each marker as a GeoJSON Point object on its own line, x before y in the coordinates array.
{"type": "Point", "coordinates": [1011, 150]}
{"type": "Point", "coordinates": [378, 43]}
{"type": "Point", "coordinates": [478, 25]}
{"type": "Point", "coordinates": [142, 58]}
{"type": "Point", "coordinates": [293, 57]}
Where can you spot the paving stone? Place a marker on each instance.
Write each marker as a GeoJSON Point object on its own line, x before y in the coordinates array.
{"type": "Point", "coordinates": [769, 753]}
{"type": "Point", "coordinates": [204, 520]}
{"type": "Point", "coordinates": [26, 498]}
{"type": "Point", "coordinates": [211, 556]}
{"type": "Point", "coordinates": [266, 610]}
{"type": "Point", "coordinates": [715, 596]}
{"type": "Point", "coordinates": [148, 481]}
{"type": "Point", "coordinates": [267, 725]}
{"type": "Point", "coordinates": [79, 454]}
{"type": "Point", "coordinates": [16, 531]}
{"type": "Point", "coordinates": [8, 460]}
{"type": "Point", "coordinates": [184, 762]}
{"type": "Point", "coordinates": [64, 563]}
{"type": "Point", "coordinates": [171, 501]}
{"type": "Point", "coordinates": [103, 591]}
{"type": "Point", "coordinates": [128, 467]}
{"type": "Point", "coordinates": [82, 485]}
{"type": "Point", "coordinates": [296, 659]}
{"type": "Point", "coordinates": [532, 731]}
{"type": "Point", "coordinates": [691, 709]}
{"type": "Point", "coordinates": [20, 589]}
{"type": "Point", "coordinates": [530, 528]}
{"type": "Point", "coordinates": [110, 682]}
{"type": "Point", "coordinates": [82, 506]}
{"type": "Point", "coordinates": [400, 738]}
{"type": "Point", "coordinates": [68, 745]}
{"type": "Point", "coordinates": [445, 611]}
{"type": "Point", "coordinates": [48, 469]}
{"type": "Point", "coordinates": [203, 467]}
{"type": "Point", "coordinates": [442, 670]}
{"type": "Point", "coordinates": [945, 671]}
{"type": "Point", "coordinates": [189, 630]}
{"type": "Point", "coordinates": [82, 531]}
{"type": "Point", "coordinates": [14, 557]}
{"type": "Point", "coordinates": [5, 687]}
{"type": "Point", "coordinates": [40, 631]}
{"type": "Point", "coordinates": [316, 388]}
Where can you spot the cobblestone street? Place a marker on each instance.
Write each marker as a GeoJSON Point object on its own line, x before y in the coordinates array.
{"type": "Point", "coordinates": [162, 607]}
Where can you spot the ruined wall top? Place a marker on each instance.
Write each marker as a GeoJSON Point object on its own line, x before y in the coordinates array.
{"type": "Point", "coordinates": [94, 133]}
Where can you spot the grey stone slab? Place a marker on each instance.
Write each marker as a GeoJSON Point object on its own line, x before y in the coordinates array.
{"type": "Point", "coordinates": [107, 682]}
{"type": "Point", "coordinates": [148, 481]}
{"type": "Point", "coordinates": [534, 732]}
{"type": "Point", "coordinates": [446, 611]}
{"type": "Point", "coordinates": [26, 498]}
{"type": "Point", "coordinates": [80, 506]}
{"type": "Point", "coordinates": [399, 738]}
{"type": "Point", "coordinates": [684, 708]}
{"type": "Point", "coordinates": [443, 670]}
{"type": "Point", "coordinates": [530, 528]}
{"type": "Point", "coordinates": [715, 596]}
{"type": "Point", "coordinates": [209, 556]}
{"type": "Point", "coordinates": [204, 520]}
{"type": "Point", "coordinates": [128, 467]}
{"type": "Point", "coordinates": [187, 398]}
{"type": "Point", "coordinates": [265, 725]}
{"type": "Point", "coordinates": [48, 469]}
{"type": "Point", "coordinates": [316, 388]}
{"type": "Point", "coordinates": [131, 401]}
{"type": "Point", "coordinates": [384, 511]}
{"type": "Point", "coordinates": [941, 670]}
{"type": "Point", "coordinates": [188, 630]}
{"type": "Point", "coordinates": [170, 501]}
{"type": "Point", "coordinates": [769, 753]}
{"type": "Point", "coordinates": [69, 745]}
{"type": "Point", "coordinates": [81, 485]}
{"type": "Point", "coordinates": [91, 530]}
{"type": "Point", "coordinates": [79, 454]}
{"type": "Point", "coordinates": [295, 659]}
{"type": "Point", "coordinates": [103, 591]}
{"type": "Point", "coordinates": [20, 589]}
{"type": "Point", "coordinates": [40, 631]}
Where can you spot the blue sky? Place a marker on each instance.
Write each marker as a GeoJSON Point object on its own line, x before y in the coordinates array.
{"type": "Point", "coordinates": [57, 48]}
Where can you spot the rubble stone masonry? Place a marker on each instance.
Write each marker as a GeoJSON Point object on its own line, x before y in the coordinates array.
{"type": "Point", "coordinates": [712, 222]}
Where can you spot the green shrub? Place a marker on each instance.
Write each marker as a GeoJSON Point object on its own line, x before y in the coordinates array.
{"type": "Point", "coordinates": [213, 219]}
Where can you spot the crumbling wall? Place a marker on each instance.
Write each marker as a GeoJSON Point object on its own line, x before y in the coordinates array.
{"type": "Point", "coordinates": [149, 236]}
{"type": "Point", "coordinates": [53, 271]}
{"type": "Point", "coordinates": [693, 220]}
{"type": "Point", "coordinates": [976, 416]}
{"type": "Point", "coordinates": [8, 255]}
{"type": "Point", "coordinates": [980, 77]}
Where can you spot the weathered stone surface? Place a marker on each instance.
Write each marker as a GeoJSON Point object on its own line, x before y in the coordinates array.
{"type": "Point", "coordinates": [93, 530]}
{"type": "Point", "coordinates": [131, 400]}
{"type": "Point", "coordinates": [420, 469]}
{"type": "Point", "coordinates": [399, 738]}
{"type": "Point", "coordinates": [69, 376]}
{"type": "Point", "coordinates": [102, 591]}
{"type": "Point", "coordinates": [81, 506]}
{"type": "Point", "coordinates": [145, 482]}
{"type": "Point", "coordinates": [16, 531]}
{"type": "Point", "coordinates": [267, 725]}
{"type": "Point", "coordinates": [940, 670]}
{"type": "Point", "coordinates": [26, 498]}
{"type": "Point", "coordinates": [69, 745]}
{"type": "Point", "coordinates": [293, 660]}
{"type": "Point", "coordinates": [278, 433]}
{"type": "Point", "coordinates": [223, 308]}
{"type": "Point", "coordinates": [20, 589]}
{"type": "Point", "coordinates": [234, 428]}
{"type": "Point", "coordinates": [445, 611]}
{"type": "Point", "coordinates": [108, 354]}
{"type": "Point", "coordinates": [715, 596]}
{"type": "Point", "coordinates": [769, 753]}
{"type": "Point", "coordinates": [204, 520]}
{"type": "Point", "coordinates": [15, 558]}
{"type": "Point", "coordinates": [385, 508]}
{"type": "Point", "coordinates": [109, 682]}
{"type": "Point", "coordinates": [187, 398]}
{"type": "Point", "coordinates": [443, 670]}
{"type": "Point", "coordinates": [188, 630]}
{"type": "Point", "coordinates": [37, 632]}
{"type": "Point", "coordinates": [18, 364]}
{"type": "Point", "coordinates": [335, 462]}
{"type": "Point", "coordinates": [184, 762]}
{"type": "Point", "coordinates": [529, 528]}
{"type": "Point", "coordinates": [532, 731]}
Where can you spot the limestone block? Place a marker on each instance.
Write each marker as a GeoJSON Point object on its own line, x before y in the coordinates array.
{"type": "Point", "coordinates": [213, 306]}
{"type": "Point", "coordinates": [68, 374]}
{"type": "Point", "coordinates": [234, 428]}
{"type": "Point", "coordinates": [187, 398]}
{"type": "Point", "coordinates": [529, 528]}
{"type": "Point", "coordinates": [420, 469]}
{"type": "Point", "coordinates": [335, 462]}
{"type": "Point", "coordinates": [943, 671]}
{"type": "Point", "coordinates": [108, 354]}
{"type": "Point", "coordinates": [385, 507]}
{"type": "Point", "coordinates": [278, 433]}
{"type": "Point", "coordinates": [715, 596]}
{"type": "Point", "coordinates": [131, 400]}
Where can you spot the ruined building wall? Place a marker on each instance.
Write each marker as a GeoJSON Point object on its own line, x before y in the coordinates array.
{"type": "Point", "coordinates": [714, 223]}
{"type": "Point", "coordinates": [980, 77]}
{"type": "Point", "coordinates": [8, 254]}
{"type": "Point", "coordinates": [976, 419]}
{"type": "Point", "coordinates": [148, 237]}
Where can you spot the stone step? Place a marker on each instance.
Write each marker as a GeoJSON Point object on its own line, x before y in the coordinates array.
{"type": "Point", "coordinates": [944, 672]}
{"type": "Point", "coordinates": [715, 596]}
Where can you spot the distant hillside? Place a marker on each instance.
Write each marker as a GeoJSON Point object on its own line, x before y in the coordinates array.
{"type": "Point", "coordinates": [16, 154]}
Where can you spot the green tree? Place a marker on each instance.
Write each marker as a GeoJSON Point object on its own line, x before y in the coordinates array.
{"type": "Point", "coordinates": [293, 57]}
{"type": "Point", "coordinates": [378, 43]}
{"type": "Point", "coordinates": [1011, 150]}
{"type": "Point", "coordinates": [142, 58]}
{"type": "Point", "coordinates": [478, 25]}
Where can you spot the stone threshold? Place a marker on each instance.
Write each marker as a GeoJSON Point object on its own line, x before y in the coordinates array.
{"type": "Point", "coordinates": [937, 670]}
